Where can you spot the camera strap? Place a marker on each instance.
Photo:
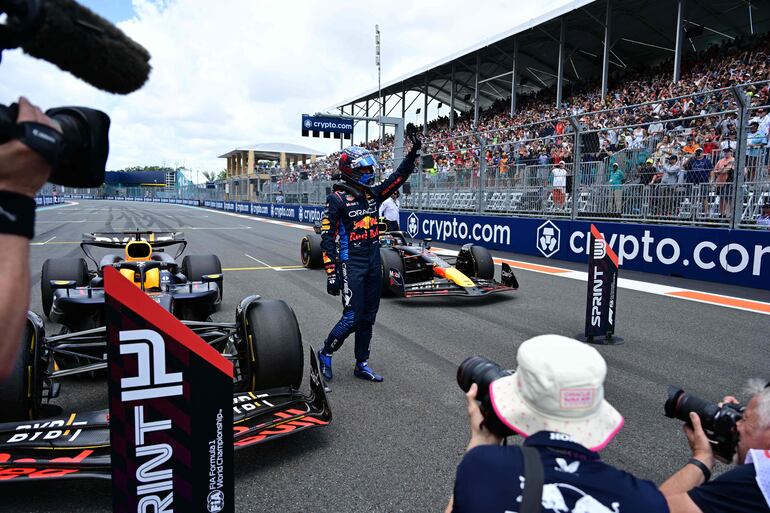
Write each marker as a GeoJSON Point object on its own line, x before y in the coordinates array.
{"type": "Point", "coordinates": [44, 140]}
{"type": "Point", "coordinates": [17, 214]}
{"type": "Point", "coordinates": [534, 478]}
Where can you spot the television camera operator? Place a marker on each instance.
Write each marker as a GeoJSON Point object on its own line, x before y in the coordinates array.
{"type": "Point", "coordinates": [555, 400]}
{"type": "Point", "coordinates": [736, 433]}
{"type": "Point", "coordinates": [22, 173]}
{"type": "Point", "coordinates": [65, 145]}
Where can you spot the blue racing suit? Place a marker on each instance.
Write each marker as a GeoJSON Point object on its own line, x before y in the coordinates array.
{"type": "Point", "coordinates": [350, 239]}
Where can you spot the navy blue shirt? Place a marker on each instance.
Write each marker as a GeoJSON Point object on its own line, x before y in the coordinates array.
{"type": "Point", "coordinates": [736, 491]}
{"type": "Point", "coordinates": [490, 480]}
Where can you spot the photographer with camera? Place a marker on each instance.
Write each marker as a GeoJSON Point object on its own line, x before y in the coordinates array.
{"type": "Point", "coordinates": [22, 173]}
{"type": "Point", "coordinates": [728, 431]}
{"type": "Point", "coordinates": [555, 399]}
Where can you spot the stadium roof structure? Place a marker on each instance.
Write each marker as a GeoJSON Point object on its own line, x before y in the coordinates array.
{"type": "Point", "coordinates": [581, 41]}
{"type": "Point", "coordinates": [273, 151]}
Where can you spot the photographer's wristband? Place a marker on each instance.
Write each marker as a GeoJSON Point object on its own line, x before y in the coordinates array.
{"type": "Point", "coordinates": [703, 468]}
{"type": "Point", "coordinates": [17, 214]}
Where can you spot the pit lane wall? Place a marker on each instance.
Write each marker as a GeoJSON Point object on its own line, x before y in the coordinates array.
{"type": "Point", "coordinates": [736, 257]}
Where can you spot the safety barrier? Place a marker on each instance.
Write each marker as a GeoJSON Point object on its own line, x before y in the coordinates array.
{"type": "Point", "coordinates": [736, 257]}
{"type": "Point", "coordinates": [46, 200]}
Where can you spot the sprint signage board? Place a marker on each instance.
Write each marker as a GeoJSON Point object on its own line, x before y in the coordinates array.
{"type": "Point", "coordinates": [738, 257]}
{"type": "Point", "coordinates": [601, 303]}
{"type": "Point", "coordinates": [328, 125]}
{"type": "Point", "coordinates": [171, 416]}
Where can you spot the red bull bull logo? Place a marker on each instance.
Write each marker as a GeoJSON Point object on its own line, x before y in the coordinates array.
{"type": "Point", "coordinates": [365, 223]}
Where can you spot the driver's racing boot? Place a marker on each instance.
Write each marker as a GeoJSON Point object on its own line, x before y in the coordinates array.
{"type": "Point", "coordinates": [325, 360]}
{"type": "Point", "coordinates": [363, 371]}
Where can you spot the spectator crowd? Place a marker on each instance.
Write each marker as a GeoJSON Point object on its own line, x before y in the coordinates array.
{"type": "Point", "coordinates": [647, 131]}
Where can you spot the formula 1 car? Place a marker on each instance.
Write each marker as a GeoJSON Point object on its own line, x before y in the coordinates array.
{"type": "Point", "coordinates": [264, 344]}
{"type": "Point", "coordinates": [410, 269]}
{"type": "Point", "coordinates": [73, 296]}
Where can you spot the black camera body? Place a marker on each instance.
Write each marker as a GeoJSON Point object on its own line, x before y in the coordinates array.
{"type": "Point", "coordinates": [483, 372]}
{"type": "Point", "coordinates": [719, 423]}
{"type": "Point", "coordinates": [79, 156]}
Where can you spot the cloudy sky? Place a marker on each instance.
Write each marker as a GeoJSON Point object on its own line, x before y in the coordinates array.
{"type": "Point", "coordinates": [238, 72]}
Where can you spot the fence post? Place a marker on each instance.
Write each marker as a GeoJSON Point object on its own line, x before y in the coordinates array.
{"type": "Point", "coordinates": [419, 183]}
{"type": "Point", "coordinates": [480, 206]}
{"type": "Point", "coordinates": [740, 155]}
{"type": "Point", "coordinates": [482, 171]}
{"type": "Point", "coordinates": [576, 157]}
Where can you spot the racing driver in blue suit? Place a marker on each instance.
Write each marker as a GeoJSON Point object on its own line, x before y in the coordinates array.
{"type": "Point", "coordinates": [351, 251]}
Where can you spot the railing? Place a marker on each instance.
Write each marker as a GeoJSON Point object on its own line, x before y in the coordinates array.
{"type": "Point", "coordinates": [509, 171]}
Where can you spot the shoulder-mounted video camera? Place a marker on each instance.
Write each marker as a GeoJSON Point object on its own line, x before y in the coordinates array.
{"type": "Point", "coordinates": [76, 40]}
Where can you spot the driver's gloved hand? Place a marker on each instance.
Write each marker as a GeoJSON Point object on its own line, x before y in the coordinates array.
{"type": "Point", "coordinates": [333, 279]}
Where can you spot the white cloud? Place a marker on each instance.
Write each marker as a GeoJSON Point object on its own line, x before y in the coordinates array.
{"type": "Point", "coordinates": [237, 72]}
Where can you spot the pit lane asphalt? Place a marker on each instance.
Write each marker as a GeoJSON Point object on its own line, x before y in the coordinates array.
{"type": "Point", "coordinates": [394, 446]}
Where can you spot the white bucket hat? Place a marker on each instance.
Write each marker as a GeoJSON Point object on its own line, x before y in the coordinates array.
{"type": "Point", "coordinates": [558, 386]}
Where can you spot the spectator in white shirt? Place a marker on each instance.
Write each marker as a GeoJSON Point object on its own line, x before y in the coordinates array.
{"type": "Point", "coordinates": [559, 184]}
{"type": "Point", "coordinates": [389, 210]}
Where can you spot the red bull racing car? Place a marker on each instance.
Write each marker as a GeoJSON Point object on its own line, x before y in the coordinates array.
{"type": "Point", "coordinates": [39, 441]}
{"type": "Point", "coordinates": [410, 269]}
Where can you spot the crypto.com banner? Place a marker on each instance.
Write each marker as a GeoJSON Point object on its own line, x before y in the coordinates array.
{"type": "Point", "coordinates": [171, 415]}
{"type": "Point", "coordinates": [738, 257]}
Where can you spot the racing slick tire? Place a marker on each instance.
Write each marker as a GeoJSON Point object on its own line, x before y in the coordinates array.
{"type": "Point", "coordinates": [484, 266]}
{"type": "Point", "coordinates": [21, 390]}
{"type": "Point", "coordinates": [194, 267]}
{"type": "Point", "coordinates": [70, 269]}
{"type": "Point", "coordinates": [310, 251]}
{"type": "Point", "coordinates": [390, 260]}
{"type": "Point", "coordinates": [274, 345]}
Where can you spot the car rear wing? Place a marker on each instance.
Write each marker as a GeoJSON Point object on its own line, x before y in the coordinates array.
{"type": "Point", "coordinates": [118, 240]}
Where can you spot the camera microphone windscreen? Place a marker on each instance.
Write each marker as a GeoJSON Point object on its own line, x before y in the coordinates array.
{"type": "Point", "coordinates": [85, 44]}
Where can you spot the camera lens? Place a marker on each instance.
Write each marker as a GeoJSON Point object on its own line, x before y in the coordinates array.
{"type": "Point", "coordinates": [86, 146]}
{"type": "Point", "coordinates": [679, 405]}
{"type": "Point", "coordinates": [481, 371]}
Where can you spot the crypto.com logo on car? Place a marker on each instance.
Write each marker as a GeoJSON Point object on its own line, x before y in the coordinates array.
{"type": "Point", "coordinates": [548, 239]}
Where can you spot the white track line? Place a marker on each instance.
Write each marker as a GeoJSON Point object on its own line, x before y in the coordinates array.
{"type": "Point", "coordinates": [60, 221]}
{"type": "Point", "coordinates": [260, 261]}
